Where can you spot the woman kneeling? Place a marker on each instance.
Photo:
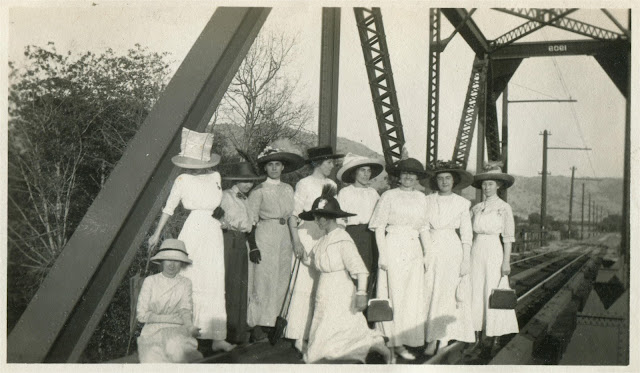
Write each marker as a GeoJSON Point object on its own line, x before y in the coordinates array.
{"type": "Point", "coordinates": [339, 330]}
{"type": "Point", "coordinates": [166, 309]}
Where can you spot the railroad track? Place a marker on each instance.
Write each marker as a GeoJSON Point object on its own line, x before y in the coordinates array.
{"type": "Point", "coordinates": [536, 280]}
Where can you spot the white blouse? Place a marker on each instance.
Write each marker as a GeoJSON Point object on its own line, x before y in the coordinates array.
{"type": "Point", "coordinates": [402, 208]}
{"type": "Point", "coordinates": [196, 192]}
{"type": "Point", "coordinates": [450, 212]}
{"type": "Point", "coordinates": [494, 216]}
{"type": "Point", "coordinates": [307, 191]}
{"type": "Point", "coordinates": [360, 201]}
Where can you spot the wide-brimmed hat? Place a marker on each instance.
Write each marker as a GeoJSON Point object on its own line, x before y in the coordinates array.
{"type": "Point", "coordinates": [493, 172]}
{"type": "Point", "coordinates": [172, 249]}
{"type": "Point", "coordinates": [325, 206]}
{"type": "Point", "coordinates": [347, 173]}
{"type": "Point", "coordinates": [290, 161]}
{"type": "Point", "coordinates": [409, 165]}
{"type": "Point", "coordinates": [241, 171]}
{"type": "Point", "coordinates": [321, 153]}
{"type": "Point", "coordinates": [464, 178]}
{"type": "Point", "coordinates": [195, 150]}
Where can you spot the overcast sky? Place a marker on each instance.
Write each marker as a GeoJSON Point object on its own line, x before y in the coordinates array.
{"type": "Point", "coordinates": [599, 113]}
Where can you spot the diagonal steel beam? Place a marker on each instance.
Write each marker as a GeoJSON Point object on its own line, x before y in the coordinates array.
{"type": "Point", "coordinates": [383, 90]}
{"type": "Point", "coordinates": [528, 28]}
{"type": "Point", "coordinates": [476, 88]}
{"type": "Point", "coordinates": [60, 319]}
{"type": "Point", "coordinates": [564, 23]}
{"type": "Point", "coordinates": [470, 32]}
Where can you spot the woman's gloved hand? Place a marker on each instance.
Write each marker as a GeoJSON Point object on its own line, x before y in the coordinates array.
{"type": "Point", "coordinates": [218, 213]}
{"type": "Point", "coordinates": [255, 256]}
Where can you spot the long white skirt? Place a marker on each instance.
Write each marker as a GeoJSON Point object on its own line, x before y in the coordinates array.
{"type": "Point", "coordinates": [338, 331]}
{"type": "Point", "coordinates": [167, 343]}
{"type": "Point", "coordinates": [301, 308]}
{"type": "Point", "coordinates": [447, 319]}
{"type": "Point", "coordinates": [486, 264]}
{"type": "Point", "coordinates": [203, 239]}
{"type": "Point", "coordinates": [406, 289]}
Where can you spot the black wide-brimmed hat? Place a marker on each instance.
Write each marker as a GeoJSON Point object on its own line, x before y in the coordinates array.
{"type": "Point", "coordinates": [493, 173]}
{"type": "Point", "coordinates": [290, 161]}
{"type": "Point", "coordinates": [409, 165]}
{"type": "Point", "coordinates": [351, 164]}
{"type": "Point", "coordinates": [241, 171]}
{"type": "Point", "coordinates": [321, 153]}
{"type": "Point", "coordinates": [464, 178]}
{"type": "Point", "coordinates": [325, 206]}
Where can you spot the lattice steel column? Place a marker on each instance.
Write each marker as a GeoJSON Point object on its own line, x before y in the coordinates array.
{"type": "Point", "coordinates": [383, 91]}
{"type": "Point", "coordinates": [477, 83]}
{"type": "Point", "coordinates": [434, 83]}
{"type": "Point", "coordinates": [492, 135]}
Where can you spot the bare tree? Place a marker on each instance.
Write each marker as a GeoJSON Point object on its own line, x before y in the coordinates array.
{"type": "Point", "coordinates": [261, 99]}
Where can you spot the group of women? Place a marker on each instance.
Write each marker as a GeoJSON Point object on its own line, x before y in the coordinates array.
{"type": "Point", "coordinates": [237, 260]}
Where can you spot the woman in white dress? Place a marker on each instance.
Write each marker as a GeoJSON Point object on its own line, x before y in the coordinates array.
{"type": "Point", "coordinates": [448, 258]}
{"type": "Point", "coordinates": [401, 227]}
{"type": "Point", "coordinates": [339, 330]}
{"type": "Point", "coordinates": [304, 237]}
{"type": "Point", "coordinates": [201, 192]}
{"type": "Point", "coordinates": [165, 308]}
{"type": "Point", "coordinates": [360, 199]}
{"type": "Point", "coordinates": [490, 260]}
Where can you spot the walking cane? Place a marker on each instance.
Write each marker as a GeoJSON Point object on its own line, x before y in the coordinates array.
{"type": "Point", "coordinates": [281, 320]}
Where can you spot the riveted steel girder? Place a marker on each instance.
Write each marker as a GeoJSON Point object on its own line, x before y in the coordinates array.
{"type": "Point", "coordinates": [329, 73]}
{"type": "Point", "coordinates": [564, 23]}
{"type": "Point", "coordinates": [383, 91]}
{"type": "Point", "coordinates": [60, 319]}
{"type": "Point", "coordinates": [529, 27]}
{"type": "Point", "coordinates": [434, 84]}
{"type": "Point", "coordinates": [469, 31]}
{"type": "Point", "coordinates": [476, 87]}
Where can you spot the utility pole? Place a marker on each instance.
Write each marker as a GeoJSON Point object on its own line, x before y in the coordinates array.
{"type": "Point", "coordinates": [543, 202]}
{"type": "Point", "coordinates": [573, 171]}
{"type": "Point", "coordinates": [582, 213]}
{"type": "Point", "coordinates": [589, 224]}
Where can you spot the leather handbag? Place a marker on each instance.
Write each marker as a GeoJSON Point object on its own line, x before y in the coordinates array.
{"type": "Point", "coordinates": [380, 309]}
{"type": "Point", "coordinates": [503, 297]}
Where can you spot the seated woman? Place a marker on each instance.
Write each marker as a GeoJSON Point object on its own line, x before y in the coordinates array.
{"type": "Point", "coordinates": [166, 309]}
{"type": "Point", "coordinates": [339, 330]}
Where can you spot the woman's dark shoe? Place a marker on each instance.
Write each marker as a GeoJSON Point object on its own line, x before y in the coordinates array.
{"type": "Point", "coordinates": [257, 334]}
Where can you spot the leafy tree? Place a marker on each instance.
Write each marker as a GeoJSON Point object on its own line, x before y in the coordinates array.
{"type": "Point", "coordinates": [70, 119]}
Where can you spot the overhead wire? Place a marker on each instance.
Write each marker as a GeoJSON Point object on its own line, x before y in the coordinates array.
{"type": "Point", "coordinates": [572, 108]}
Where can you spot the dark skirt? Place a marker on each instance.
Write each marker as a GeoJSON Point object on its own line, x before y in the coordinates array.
{"type": "Point", "coordinates": [365, 241]}
{"type": "Point", "coordinates": [236, 285]}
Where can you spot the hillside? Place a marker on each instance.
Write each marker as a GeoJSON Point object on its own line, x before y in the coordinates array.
{"type": "Point", "coordinates": [524, 195]}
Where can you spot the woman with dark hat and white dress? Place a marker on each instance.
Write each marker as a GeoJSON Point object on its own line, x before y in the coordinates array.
{"type": "Point", "coordinates": [339, 330]}
{"type": "Point", "coordinates": [271, 204]}
{"type": "Point", "coordinates": [448, 258]}
{"type": "Point", "coordinates": [360, 199]}
{"type": "Point", "coordinates": [304, 236]}
{"type": "Point", "coordinates": [490, 260]}
{"type": "Point", "coordinates": [237, 223]}
{"type": "Point", "coordinates": [166, 309]}
{"type": "Point", "coordinates": [401, 228]}
{"type": "Point", "coordinates": [200, 191]}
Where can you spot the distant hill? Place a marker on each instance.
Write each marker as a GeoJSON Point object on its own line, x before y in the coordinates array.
{"type": "Point", "coordinates": [524, 196]}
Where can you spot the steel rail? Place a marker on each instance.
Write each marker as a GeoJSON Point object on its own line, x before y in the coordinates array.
{"type": "Point", "coordinates": [437, 358]}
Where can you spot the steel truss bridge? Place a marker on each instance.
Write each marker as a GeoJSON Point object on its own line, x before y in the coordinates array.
{"type": "Point", "coordinates": [62, 316]}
